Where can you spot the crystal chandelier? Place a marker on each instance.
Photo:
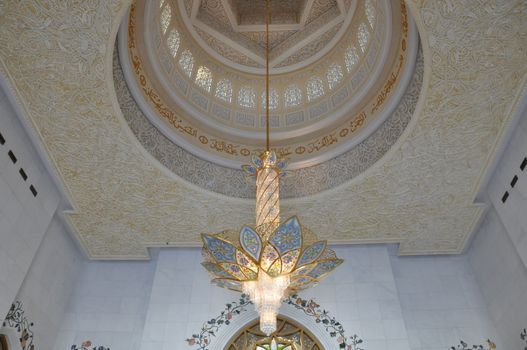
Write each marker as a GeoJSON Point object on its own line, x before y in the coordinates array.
{"type": "Point", "coordinates": [270, 260]}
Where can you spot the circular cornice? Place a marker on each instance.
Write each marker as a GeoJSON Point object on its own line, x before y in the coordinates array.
{"type": "Point", "coordinates": [302, 182]}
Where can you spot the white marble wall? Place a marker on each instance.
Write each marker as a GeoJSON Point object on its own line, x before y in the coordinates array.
{"type": "Point", "coordinates": [48, 284]}
{"type": "Point", "coordinates": [441, 302]}
{"type": "Point", "coordinates": [499, 250]}
{"type": "Point", "coordinates": [513, 212]}
{"type": "Point", "coordinates": [108, 305]}
{"type": "Point", "coordinates": [391, 302]}
{"type": "Point", "coordinates": [24, 218]}
{"type": "Point", "coordinates": [503, 279]}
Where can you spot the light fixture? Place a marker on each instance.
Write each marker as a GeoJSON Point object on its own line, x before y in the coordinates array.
{"type": "Point", "coordinates": [269, 260]}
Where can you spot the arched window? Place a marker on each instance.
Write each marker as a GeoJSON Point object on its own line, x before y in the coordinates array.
{"type": "Point", "coordinates": [186, 62]}
{"type": "Point", "coordinates": [370, 12]}
{"type": "Point", "coordinates": [166, 15]}
{"type": "Point", "coordinates": [351, 58]}
{"type": "Point", "coordinates": [273, 99]}
{"type": "Point", "coordinates": [204, 78]}
{"type": "Point", "coordinates": [247, 97]}
{"type": "Point", "coordinates": [363, 36]}
{"type": "Point", "coordinates": [288, 336]}
{"type": "Point", "coordinates": [224, 90]}
{"type": "Point", "coordinates": [315, 88]}
{"type": "Point", "coordinates": [334, 75]}
{"type": "Point", "coordinates": [173, 42]}
{"type": "Point", "coordinates": [292, 96]}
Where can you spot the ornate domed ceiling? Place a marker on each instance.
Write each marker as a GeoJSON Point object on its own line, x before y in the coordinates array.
{"type": "Point", "coordinates": [416, 188]}
{"type": "Point", "coordinates": [216, 112]}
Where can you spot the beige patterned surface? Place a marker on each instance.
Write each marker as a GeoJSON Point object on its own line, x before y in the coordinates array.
{"type": "Point", "coordinates": [58, 58]}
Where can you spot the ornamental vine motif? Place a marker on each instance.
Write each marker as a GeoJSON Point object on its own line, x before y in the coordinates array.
{"type": "Point", "coordinates": [309, 307]}
{"type": "Point", "coordinates": [523, 335]}
{"type": "Point", "coordinates": [464, 346]}
{"type": "Point", "coordinates": [210, 328]}
{"type": "Point", "coordinates": [87, 345]}
{"type": "Point", "coordinates": [16, 319]}
{"type": "Point", "coordinates": [332, 326]}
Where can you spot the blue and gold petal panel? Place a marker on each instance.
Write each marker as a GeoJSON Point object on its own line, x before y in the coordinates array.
{"type": "Point", "coordinates": [249, 169]}
{"type": "Point", "coordinates": [272, 157]}
{"type": "Point", "coordinates": [244, 260]}
{"type": "Point", "coordinates": [276, 268]}
{"type": "Point", "coordinates": [288, 236]}
{"type": "Point", "coordinates": [257, 161]}
{"type": "Point", "coordinates": [216, 270]}
{"type": "Point", "coordinates": [228, 283]}
{"type": "Point", "coordinates": [303, 281]}
{"type": "Point", "coordinates": [251, 275]}
{"type": "Point", "coordinates": [268, 257]}
{"type": "Point", "coordinates": [312, 253]}
{"type": "Point", "coordinates": [281, 164]}
{"type": "Point", "coordinates": [324, 267]}
{"type": "Point", "coordinates": [235, 270]}
{"type": "Point", "coordinates": [221, 250]}
{"type": "Point", "coordinates": [304, 270]}
{"type": "Point", "coordinates": [251, 242]}
{"type": "Point", "coordinates": [289, 260]}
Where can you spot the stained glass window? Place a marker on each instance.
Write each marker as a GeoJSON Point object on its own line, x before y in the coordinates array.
{"type": "Point", "coordinates": [186, 62]}
{"type": "Point", "coordinates": [173, 42]}
{"type": "Point", "coordinates": [224, 90]}
{"type": "Point", "coordinates": [273, 99]}
{"type": "Point", "coordinates": [166, 15]}
{"type": "Point", "coordinates": [315, 88]}
{"type": "Point", "coordinates": [293, 96]}
{"type": "Point", "coordinates": [370, 12]}
{"type": "Point", "coordinates": [364, 36]}
{"type": "Point", "coordinates": [334, 75]}
{"type": "Point", "coordinates": [204, 78]}
{"type": "Point", "coordinates": [351, 58]}
{"type": "Point", "coordinates": [288, 336]}
{"type": "Point", "coordinates": [247, 97]}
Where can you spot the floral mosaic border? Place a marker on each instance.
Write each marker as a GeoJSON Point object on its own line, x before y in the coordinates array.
{"type": "Point", "coordinates": [464, 346]}
{"type": "Point", "coordinates": [87, 345]}
{"type": "Point", "coordinates": [335, 329]}
{"type": "Point", "coordinates": [17, 319]}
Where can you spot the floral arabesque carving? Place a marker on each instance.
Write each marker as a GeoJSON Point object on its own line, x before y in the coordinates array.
{"type": "Point", "coordinates": [309, 307]}
{"type": "Point", "coordinates": [17, 319]}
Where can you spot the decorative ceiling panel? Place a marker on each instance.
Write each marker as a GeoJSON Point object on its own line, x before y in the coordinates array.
{"type": "Point", "coordinates": [57, 60]}
{"type": "Point", "coordinates": [240, 25]}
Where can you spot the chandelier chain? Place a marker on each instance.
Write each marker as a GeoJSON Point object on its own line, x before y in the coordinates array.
{"type": "Point", "coordinates": [267, 97]}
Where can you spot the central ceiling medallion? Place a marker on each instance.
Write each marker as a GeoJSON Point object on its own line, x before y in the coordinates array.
{"type": "Point", "coordinates": [270, 260]}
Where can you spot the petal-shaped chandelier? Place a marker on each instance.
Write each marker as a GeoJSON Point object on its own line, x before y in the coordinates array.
{"type": "Point", "coordinates": [269, 260]}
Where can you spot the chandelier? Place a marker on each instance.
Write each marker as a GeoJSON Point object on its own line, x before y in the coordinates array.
{"type": "Point", "coordinates": [270, 260]}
